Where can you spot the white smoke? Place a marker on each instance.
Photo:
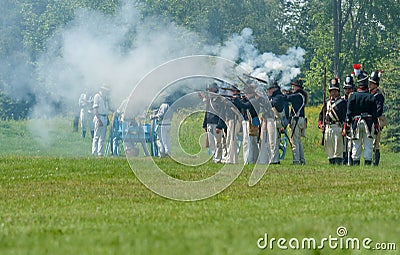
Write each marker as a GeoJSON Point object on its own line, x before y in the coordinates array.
{"type": "Point", "coordinates": [240, 47]}
{"type": "Point", "coordinates": [92, 50]}
{"type": "Point", "coordinates": [118, 50]}
{"type": "Point", "coordinates": [267, 66]}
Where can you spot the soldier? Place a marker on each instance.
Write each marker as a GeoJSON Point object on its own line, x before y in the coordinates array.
{"type": "Point", "coordinates": [361, 118]}
{"type": "Point", "coordinates": [281, 115]}
{"type": "Point", "coordinates": [254, 132]}
{"type": "Point", "coordinates": [232, 121]}
{"type": "Point", "coordinates": [298, 123]}
{"type": "Point", "coordinates": [117, 127]}
{"type": "Point", "coordinates": [267, 133]}
{"type": "Point", "coordinates": [86, 113]}
{"type": "Point", "coordinates": [373, 86]}
{"type": "Point", "coordinates": [100, 111]}
{"type": "Point", "coordinates": [335, 115]}
{"type": "Point", "coordinates": [164, 141]}
{"type": "Point", "coordinates": [250, 125]}
{"type": "Point", "coordinates": [348, 87]}
{"type": "Point", "coordinates": [210, 122]}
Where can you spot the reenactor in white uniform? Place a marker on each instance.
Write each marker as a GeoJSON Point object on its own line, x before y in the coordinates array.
{"type": "Point", "coordinates": [164, 141]}
{"type": "Point", "coordinates": [331, 119]}
{"type": "Point", "coordinates": [86, 113]}
{"type": "Point", "coordinates": [100, 111]}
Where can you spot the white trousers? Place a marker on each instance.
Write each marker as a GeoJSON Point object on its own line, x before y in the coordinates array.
{"type": "Point", "coordinates": [265, 153]}
{"type": "Point", "coordinates": [85, 118]}
{"type": "Point", "coordinates": [254, 150]}
{"type": "Point", "coordinates": [334, 145]}
{"type": "Point", "coordinates": [214, 142]}
{"type": "Point", "coordinates": [99, 135]}
{"type": "Point", "coordinates": [274, 141]}
{"type": "Point", "coordinates": [363, 139]}
{"type": "Point", "coordinates": [250, 144]}
{"type": "Point", "coordinates": [245, 141]}
{"type": "Point", "coordinates": [233, 127]}
{"type": "Point", "coordinates": [297, 131]}
{"type": "Point", "coordinates": [164, 143]}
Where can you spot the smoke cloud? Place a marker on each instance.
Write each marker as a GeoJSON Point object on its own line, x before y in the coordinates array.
{"type": "Point", "coordinates": [97, 49]}
{"type": "Point", "coordinates": [267, 66]}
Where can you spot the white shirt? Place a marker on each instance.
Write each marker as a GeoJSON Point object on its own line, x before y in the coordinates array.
{"type": "Point", "coordinates": [101, 104]}
{"type": "Point", "coordinates": [82, 100]}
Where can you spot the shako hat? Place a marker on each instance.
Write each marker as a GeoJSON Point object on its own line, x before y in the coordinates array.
{"type": "Point", "coordinates": [362, 80]}
{"type": "Point", "coordinates": [375, 77]}
{"type": "Point", "coordinates": [348, 82]}
{"type": "Point", "coordinates": [334, 84]}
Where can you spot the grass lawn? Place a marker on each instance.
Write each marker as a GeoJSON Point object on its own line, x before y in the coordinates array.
{"type": "Point", "coordinates": [56, 199]}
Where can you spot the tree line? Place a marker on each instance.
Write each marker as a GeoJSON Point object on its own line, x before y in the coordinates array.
{"type": "Point", "coordinates": [335, 34]}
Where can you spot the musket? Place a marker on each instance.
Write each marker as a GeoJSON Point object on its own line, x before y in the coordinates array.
{"type": "Point", "coordinates": [223, 81]}
{"type": "Point", "coordinates": [255, 78]}
{"type": "Point", "coordinates": [287, 136]}
{"type": "Point", "coordinates": [231, 97]}
{"type": "Point", "coordinates": [207, 109]}
{"type": "Point", "coordinates": [247, 87]}
{"type": "Point", "coordinates": [230, 89]}
{"type": "Point", "coordinates": [322, 142]}
{"type": "Point", "coordinates": [349, 149]}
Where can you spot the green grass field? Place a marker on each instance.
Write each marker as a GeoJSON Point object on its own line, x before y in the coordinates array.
{"type": "Point", "coordinates": [57, 199]}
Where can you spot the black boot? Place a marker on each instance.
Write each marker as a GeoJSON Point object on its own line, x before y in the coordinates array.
{"type": "Point", "coordinates": [331, 161]}
{"type": "Point", "coordinates": [368, 162]}
{"type": "Point", "coordinates": [76, 123]}
{"type": "Point", "coordinates": [356, 163]}
{"type": "Point", "coordinates": [345, 160]}
{"type": "Point", "coordinates": [377, 157]}
{"type": "Point", "coordinates": [338, 161]}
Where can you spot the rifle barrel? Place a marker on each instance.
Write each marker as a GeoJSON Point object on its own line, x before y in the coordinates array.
{"type": "Point", "coordinates": [324, 112]}
{"type": "Point", "coordinates": [255, 78]}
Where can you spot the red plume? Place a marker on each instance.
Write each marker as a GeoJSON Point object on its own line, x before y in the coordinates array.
{"type": "Point", "coordinates": [357, 69]}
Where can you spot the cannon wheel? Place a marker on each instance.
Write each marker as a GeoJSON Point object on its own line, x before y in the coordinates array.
{"type": "Point", "coordinates": [282, 147]}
